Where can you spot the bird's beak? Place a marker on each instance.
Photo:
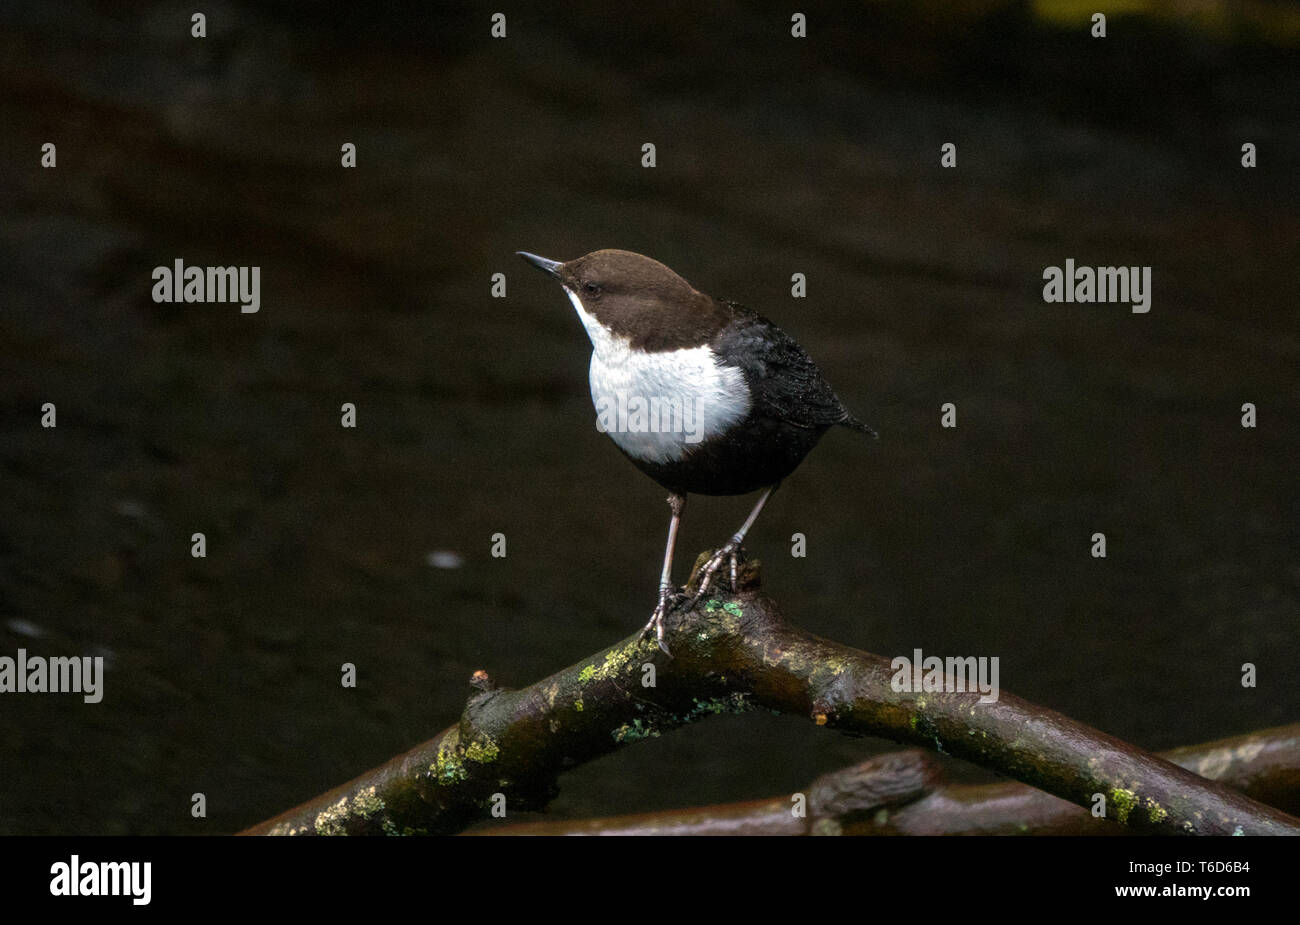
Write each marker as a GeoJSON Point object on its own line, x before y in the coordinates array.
{"type": "Point", "coordinates": [549, 267]}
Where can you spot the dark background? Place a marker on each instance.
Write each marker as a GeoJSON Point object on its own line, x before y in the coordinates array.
{"type": "Point", "coordinates": [775, 155]}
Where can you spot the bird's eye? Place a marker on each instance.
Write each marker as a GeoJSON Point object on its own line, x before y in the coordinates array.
{"type": "Point", "coordinates": [591, 287]}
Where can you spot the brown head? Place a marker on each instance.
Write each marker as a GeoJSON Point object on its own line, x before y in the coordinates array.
{"type": "Point", "coordinates": [635, 297]}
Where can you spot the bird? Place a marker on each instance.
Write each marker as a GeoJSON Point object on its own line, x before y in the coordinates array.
{"type": "Point", "coordinates": [703, 395]}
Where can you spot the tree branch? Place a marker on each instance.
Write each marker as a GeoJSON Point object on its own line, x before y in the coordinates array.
{"type": "Point", "coordinates": [734, 654]}
{"type": "Point", "coordinates": [903, 793]}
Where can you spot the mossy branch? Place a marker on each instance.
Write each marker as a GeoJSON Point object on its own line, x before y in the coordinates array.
{"type": "Point", "coordinates": [905, 793]}
{"type": "Point", "coordinates": [733, 654]}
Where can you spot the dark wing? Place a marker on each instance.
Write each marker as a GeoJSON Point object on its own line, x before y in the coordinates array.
{"type": "Point", "coordinates": [784, 381]}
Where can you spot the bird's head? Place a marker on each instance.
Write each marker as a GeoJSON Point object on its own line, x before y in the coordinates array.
{"type": "Point", "coordinates": [631, 297]}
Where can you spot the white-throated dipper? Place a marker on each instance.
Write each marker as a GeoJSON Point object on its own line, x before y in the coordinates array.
{"type": "Point", "coordinates": [703, 395]}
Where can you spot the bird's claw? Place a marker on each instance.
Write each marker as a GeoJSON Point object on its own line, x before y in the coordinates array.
{"type": "Point", "coordinates": [728, 553]}
{"type": "Point", "coordinates": [668, 598]}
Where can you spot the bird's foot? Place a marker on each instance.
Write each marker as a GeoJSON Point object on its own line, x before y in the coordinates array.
{"type": "Point", "coordinates": [668, 598]}
{"type": "Point", "coordinates": [731, 552]}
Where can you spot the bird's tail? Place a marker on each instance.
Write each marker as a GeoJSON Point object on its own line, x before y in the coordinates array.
{"type": "Point", "coordinates": [853, 423]}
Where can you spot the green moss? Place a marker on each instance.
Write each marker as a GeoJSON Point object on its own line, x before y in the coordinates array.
{"type": "Point", "coordinates": [330, 821]}
{"type": "Point", "coordinates": [1124, 801]}
{"type": "Point", "coordinates": [1156, 812]}
{"type": "Point", "coordinates": [482, 751]}
{"type": "Point", "coordinates": [736, 702]}
{"type": "Point", "coordinates": [447, 768]}
{"type": "Point", "coordinates": [634, 732]}
{"type": "Point", "coordinates": [617, 662]}
{"type": "Point", "coordinates": [333, 819]}
{"type": "Point", "coordinates": [577, 705]}
{"type": "Point", "coordinates": [827, 825]}
{"type": "Point", "coordinates": [731, 607]}
{"type": "Point", "coordinates": [367, 803]}
{"type": "Point", "coordinates": [837, 665]}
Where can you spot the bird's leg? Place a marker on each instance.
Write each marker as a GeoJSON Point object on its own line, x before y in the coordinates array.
{"type": "Point", "coordinates": [676, 503]}
{"type": "Point", "coordinates": [728, 552]}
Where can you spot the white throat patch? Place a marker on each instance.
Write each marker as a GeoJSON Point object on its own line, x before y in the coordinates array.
{"type": "Point", "coordinates": [659, 406]}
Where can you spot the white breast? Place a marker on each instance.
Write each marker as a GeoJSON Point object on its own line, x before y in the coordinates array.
{"type": "Point", "coordinates": [658, 406]}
